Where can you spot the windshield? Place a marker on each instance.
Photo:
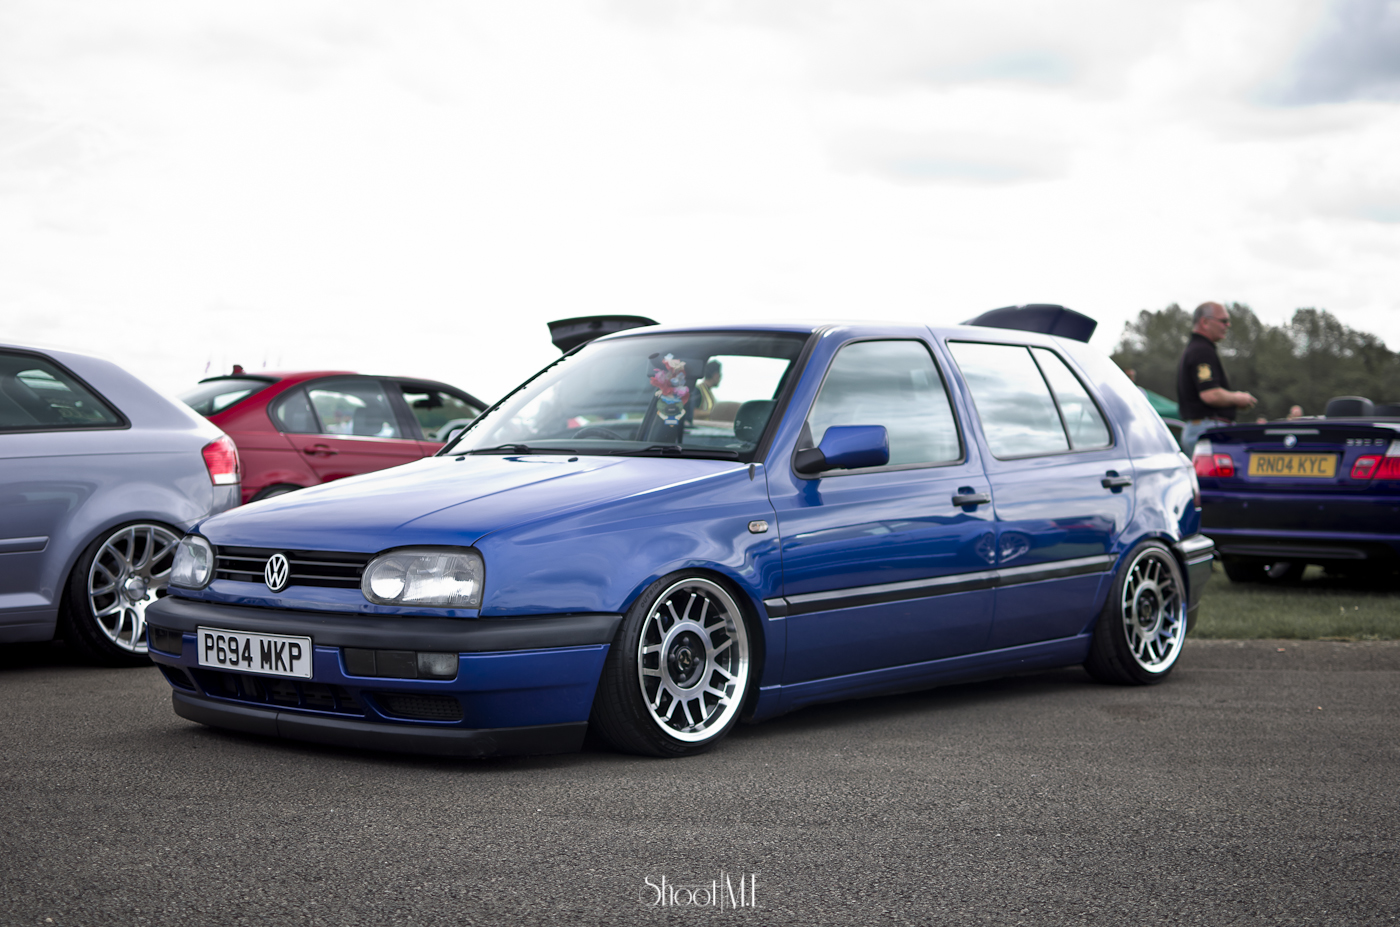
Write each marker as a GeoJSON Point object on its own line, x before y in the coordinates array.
{"type": "Point", "coordinates": [213, 396]}
{"type": "Point", "coordinates": [695, 395]}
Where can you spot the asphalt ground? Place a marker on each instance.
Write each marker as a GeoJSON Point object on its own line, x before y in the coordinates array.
{"type": "Point", "coordinates": [1259, 785]}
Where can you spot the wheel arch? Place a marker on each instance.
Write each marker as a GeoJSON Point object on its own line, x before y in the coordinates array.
{"type": "Point", "coordinates": [747, 598]}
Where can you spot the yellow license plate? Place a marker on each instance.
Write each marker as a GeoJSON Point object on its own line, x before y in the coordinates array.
{"type": "Point", "coordinates": [1295, 466]}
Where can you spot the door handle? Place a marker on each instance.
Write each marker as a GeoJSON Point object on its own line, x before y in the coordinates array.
{"type": "Point", "coordinates": [320, 450]}
{"type": "Point", "coordinates": [971, 498]}
{"type": "Point", "coordinates": [1114, 481]}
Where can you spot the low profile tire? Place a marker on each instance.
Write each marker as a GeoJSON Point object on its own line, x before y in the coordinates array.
{"type": "Point", "coordinates": [103, 617]}
{"type": "Point", "coordinates": [278, 489]}
{"type": "Point", "coordinates": [1140, 634]}
{"type": "Point", "coordinates": [678, 673]}
{"type": "Point", "coordinates": [1285, 571]}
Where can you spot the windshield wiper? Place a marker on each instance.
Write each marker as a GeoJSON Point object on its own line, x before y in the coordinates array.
{"type": "Point", "coordinates": [676, 450]}
{"type": "Point", "coordinates": [520, 449]}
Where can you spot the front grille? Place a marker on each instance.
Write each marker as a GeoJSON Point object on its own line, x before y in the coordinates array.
{"type": "Point", "coordinates": [286, 693]}
{"type": "Point", "coordinates": [420, 707]}
{"type": "Point", "coordinates": [338, 569]}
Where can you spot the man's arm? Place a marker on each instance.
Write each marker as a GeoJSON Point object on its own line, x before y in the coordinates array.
{"type": "Point", "coordinates": [1222, 398]}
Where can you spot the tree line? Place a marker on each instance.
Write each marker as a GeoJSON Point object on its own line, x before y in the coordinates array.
{"type": "Point", "coordinates": [1306, 361]}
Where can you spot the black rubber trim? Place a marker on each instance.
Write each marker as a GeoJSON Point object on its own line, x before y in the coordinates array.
{"type": "Point", "coordinates": [374, 735]}
{"type": "Point", "coordinates": [331, 629]}
{"type": "Point", "coordinates": [786, 606]}
{"type": "Point", "coordinates": [1195, 549]}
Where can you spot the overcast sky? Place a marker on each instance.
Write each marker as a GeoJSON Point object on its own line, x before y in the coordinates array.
{"type": "Point", "coordinates": [417, 188]}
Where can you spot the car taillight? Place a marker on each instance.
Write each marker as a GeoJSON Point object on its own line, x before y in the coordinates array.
{"type": "Point", "coordinates": [1373, 467]}
{"type": "Point", "coordinates": [1365, 467]}
{"type": "Point", "coordinates": [221, 458]}
{"type": "Point", "coordinates": [1209, 463]}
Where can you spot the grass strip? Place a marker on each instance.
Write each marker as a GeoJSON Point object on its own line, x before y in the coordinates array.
{"type": "Point", "coordinates": [1318, 607]}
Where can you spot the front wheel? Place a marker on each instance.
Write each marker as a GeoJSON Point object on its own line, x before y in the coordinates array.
{"type": "Point", "coordinates": [1142, 629]}
{"type": "Point", "coordinates": [104, 609]}
{"type": "Point", "coordinates": [677, 675]}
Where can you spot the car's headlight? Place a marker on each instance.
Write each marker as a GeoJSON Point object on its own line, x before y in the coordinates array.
{"type": "Point", "coordinates": [194, 563]}
{"type": "Point", "coordinates": [425, 576]}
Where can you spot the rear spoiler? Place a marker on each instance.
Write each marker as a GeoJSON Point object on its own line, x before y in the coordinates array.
{"type": "Point", "coordinates": [1046, 318]}
{"type": "Point", "coordinates": [568, 334]}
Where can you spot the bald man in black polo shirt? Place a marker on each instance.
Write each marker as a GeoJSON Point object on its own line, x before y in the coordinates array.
{"type": "Point", "coordinates": [1202, 388]}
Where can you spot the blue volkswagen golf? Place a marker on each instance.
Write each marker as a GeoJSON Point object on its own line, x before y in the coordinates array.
{"type": "Point", "coordinates": [671, 529]}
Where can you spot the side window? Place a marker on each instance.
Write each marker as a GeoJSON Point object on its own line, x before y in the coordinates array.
{"type": "Point", "coordinates": [353, 407]}
{"type": "Point", "coordinates": [1017, 411]}
{"type": "Point", "coordinates": [292, 413]}
{"type": "Point", "coordinates": [38, 395]}
{"type": "Point", "coordinates": [895, 384]}
{"type": "Point", "coordinates": [437, 411]}
{"type": "Point", "coordinates": [1083, 420]}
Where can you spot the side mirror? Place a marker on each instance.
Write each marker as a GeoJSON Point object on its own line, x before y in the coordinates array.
{"type": "Point", "coordinates": [846, 447]}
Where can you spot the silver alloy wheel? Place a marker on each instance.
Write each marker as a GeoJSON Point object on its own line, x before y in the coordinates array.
{"type": "Point", "coordinates": [693, 660]}
{"type": "Point", "coordinates": [130, 568]}
{"type": "Point", "coordinates": [1153, 610]}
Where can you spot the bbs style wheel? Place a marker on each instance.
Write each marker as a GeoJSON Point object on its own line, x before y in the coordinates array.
{"type": "Point", "coordinates": [677, 675]}
{"type": "Point", "coordinates": [104, 611]}
{"type": "Point", "coordinates": [1142, 629]}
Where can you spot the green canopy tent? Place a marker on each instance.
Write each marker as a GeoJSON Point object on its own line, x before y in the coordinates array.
{"type": "Point", "coordinates": [1164, 406]}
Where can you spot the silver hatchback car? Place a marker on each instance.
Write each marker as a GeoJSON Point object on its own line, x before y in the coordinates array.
{"type": "Point", "coordinates": [100, 476]}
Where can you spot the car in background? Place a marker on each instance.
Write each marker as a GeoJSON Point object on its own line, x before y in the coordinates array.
{"type": "Point", "coordinates": [1281, 495]}
{"type": "Point", "coordinates": [302, 429]}
{"type": "Point", "coordinates": [100, 476]}
{"type": "Point", "coordinates": [850, 509]}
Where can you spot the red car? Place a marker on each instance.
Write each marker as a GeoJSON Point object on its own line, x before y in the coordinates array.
{"type": "Point", "coordinates": [300, 429]}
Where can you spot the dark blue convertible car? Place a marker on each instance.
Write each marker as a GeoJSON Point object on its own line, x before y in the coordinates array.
{"type": "Point", "coordinates": [669, 530]}
{"type": "Point", "coordinates": [1325, 490]}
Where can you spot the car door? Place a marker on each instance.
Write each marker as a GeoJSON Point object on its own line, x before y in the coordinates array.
{"type": "Point", "coordinates": [344, 426]}
{"type": "Point", "coordinates": [881, 567]}
{"type": "Point", "coordinates": [1062, 487]}
{"type": "Point", "coordinates": [54, 431]}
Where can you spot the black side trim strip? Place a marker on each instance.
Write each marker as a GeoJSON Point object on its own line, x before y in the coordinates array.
{"type": "Point", "coordinates": [329, 629]}
{"type": "Point", "coordinates": [372, 735]}
{"type": "Point", "coordinates": [942, 585]}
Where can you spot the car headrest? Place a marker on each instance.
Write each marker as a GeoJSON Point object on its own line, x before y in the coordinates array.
{"type": "Point", "coordinates": [1388, 410]}
{"type": "Point", "coordinates": [1350, 407]}
{"type": "Point", "coordinates": [368, 422]}
{"type": "Point", "coordinates": [750, 419]}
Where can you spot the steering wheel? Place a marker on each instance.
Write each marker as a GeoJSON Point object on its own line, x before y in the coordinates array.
{"type": "Point", "coordinates": [597, 431]}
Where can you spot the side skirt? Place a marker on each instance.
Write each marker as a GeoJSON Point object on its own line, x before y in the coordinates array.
{"type": "Point", "coordinates": [1066, 651]}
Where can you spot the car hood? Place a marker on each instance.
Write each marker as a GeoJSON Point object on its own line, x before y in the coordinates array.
{"type": "Point", "coordinates": [446, 500]}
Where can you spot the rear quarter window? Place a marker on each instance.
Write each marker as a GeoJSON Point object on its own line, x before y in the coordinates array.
{"type": "Point", "coordinates": [38, 395]}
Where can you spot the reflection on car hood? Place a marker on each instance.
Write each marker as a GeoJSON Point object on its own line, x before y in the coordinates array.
{"type": "Point", "coordinates": [444, 500]}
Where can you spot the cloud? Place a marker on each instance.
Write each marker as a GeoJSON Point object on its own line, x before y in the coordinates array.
{"type": "Point", "coordinates": [1355, 56]}
{"type": "Point", "coordinates": [948, 157]}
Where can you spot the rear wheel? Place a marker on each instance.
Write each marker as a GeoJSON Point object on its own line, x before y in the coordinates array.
{"type": "Point", "coordinates": [677, 675]}
{"type": "Point", "coordinates": [1245, 571]}
{"type": "Point", "coordinates": [104, 609]}
{"type": "Point", "coordinates": [1142, 629]}
{"type": "Point", "coordinates": [278, 489]}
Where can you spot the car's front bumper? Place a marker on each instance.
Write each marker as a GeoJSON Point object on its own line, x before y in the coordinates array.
{"type": "Point", "coordinates": [523, 685]}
